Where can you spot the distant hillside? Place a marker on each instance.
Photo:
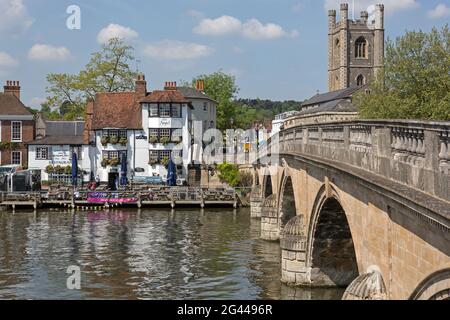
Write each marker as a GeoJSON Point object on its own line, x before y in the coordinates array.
{"type": "Point", "coordinates": [251, 110]}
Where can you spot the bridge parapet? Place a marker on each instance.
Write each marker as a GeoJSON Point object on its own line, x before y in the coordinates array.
{"type": "Point", "coordinates": [415, 153]}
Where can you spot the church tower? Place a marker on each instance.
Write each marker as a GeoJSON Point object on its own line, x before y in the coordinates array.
{"type": "Point", "coordinates": [355, 48]}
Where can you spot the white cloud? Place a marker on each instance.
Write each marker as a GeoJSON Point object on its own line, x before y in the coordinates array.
{"type": "Point", "coordinates": [46, 52]}
{"type": "Point", "coordinates": [253, 28]}
{"type": "Point", "coordinates": [6, 61]}
{"type": "Point", "coordinates": [116, 31]}
{"type": "Point", "coordinates": [177, 50]}
{"type": "Point", "coordinates": [440, 11]}
{"type": "Point", "coordinates": [218, 27]}
{"type": "Point", "coordinates": [14, 17]}
{"type": "Point", "coordinates": [391, 6]}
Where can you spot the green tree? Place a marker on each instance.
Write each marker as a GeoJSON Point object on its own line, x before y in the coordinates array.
{"type": "Point", "coordinates": [107, 71]}
{"type": "Point", "coordinates": [415, 83]}
{"type": "Point", "coordinates": [221, 87]}
{"type": "Point", "coordinates": [229, 173]}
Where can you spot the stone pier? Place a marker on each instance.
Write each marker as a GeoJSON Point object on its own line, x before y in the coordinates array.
{"type": "Point", "coordinates": [293, 253]}
{"type": "Point", "coordinates": [270, 229]}
{"type": "Point", "coordinates": [256, 202]}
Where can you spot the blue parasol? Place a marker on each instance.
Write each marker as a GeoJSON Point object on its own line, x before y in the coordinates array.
{"type": "Point", "coordinates": [74, 169]}
{"type": "Point", "coordinates": [123, 170]}
{"type": "Point", "coordinates": [172, 174]}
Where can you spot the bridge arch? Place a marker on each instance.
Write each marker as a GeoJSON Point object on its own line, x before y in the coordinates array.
{"type": "Point", "coordinates": [434, 287]}
{"type": "Point", "coordinates": [286, 202]}
{"type": "Point", "coordinates": [331, 253]}
{"type": "Point", "coordinates": [267, 185]}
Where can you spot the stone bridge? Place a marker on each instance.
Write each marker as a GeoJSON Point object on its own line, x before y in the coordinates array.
{"type": "Point", "coordinates": [359, 204]}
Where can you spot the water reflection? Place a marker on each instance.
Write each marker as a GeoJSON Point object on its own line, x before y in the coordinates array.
{"type": "Point", "coordinates": [142, 254]}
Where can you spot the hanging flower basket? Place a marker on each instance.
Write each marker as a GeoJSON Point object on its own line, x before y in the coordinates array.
{"type": "Point", "coordinates": [114, 162]}
{"type": "Point", "coordinates": [164, 161]}
{"type": "Point", "coordinates": [153, 140]}
{"type": "Point", "coordinates": [114, 140]}
{"type": "Point", "coordinates": [123, 141]}
{"type": "Point", "coordinates": [153, 162]}
{"type": "Point", "coordinates": [105, 163]}
{"type": "Point", "coordinates": [165, 140]}
{"type": "Point", "coordinates": [105, 140]}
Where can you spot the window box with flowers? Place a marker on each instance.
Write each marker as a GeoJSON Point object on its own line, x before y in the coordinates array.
{"type": "Point", "coordinates": [114, 140]}
{"type": "Point", "coordinates": [153, 162]}
{"type": "Point", "coordinates": [176, 139]}
{"type": "Point", "coordinates": [105, 140]}
{"type": "Point", "coordinates": [104, 163]}
{"type": "Point", "coordinates": [153, 140]}
{"type": "Point", "coordinates": [165, 140]}
{"type": "Point", "coordinates": [114, 162]}
{"type": "Point", "coordinates": [123, 141]}
{"type": "Point", "coordinates": [164, 161]}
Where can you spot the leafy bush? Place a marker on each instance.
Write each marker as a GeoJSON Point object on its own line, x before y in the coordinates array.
{"type": "Point", "coordinates": [228, 173]}
{"type": "Point", "coordinates": [245, 179]}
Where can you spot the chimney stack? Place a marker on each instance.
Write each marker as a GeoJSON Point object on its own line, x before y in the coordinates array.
{"type": "Point", "coordinates": [141, 86]}
{"type": "Point", "coordinates": [200, 85]}
{"type": "Point", "coordinates": [170, 85]}
{"type": "Point", "coordinates": [12, 87]}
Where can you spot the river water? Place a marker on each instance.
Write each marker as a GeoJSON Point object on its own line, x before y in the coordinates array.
{"type": "Point", "coordinates": [142, 254]}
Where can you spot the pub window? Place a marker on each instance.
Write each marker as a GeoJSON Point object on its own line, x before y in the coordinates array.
{"type": "Point", "coordinates": [164, 110]}
{"type": "Point", "coordinates": [153, 133]}
{"type": "Point", "coordinates": [42, 153]}
{"type": "Point", "coordinates": [113, 133]}
{"type": "Point", "coordinates": [105, 133]}
{"type": "Point", "coordinates": [177, 135]}
{"type": "Point", "coordinates": [176, 110]}
{"type": "Point", "coordinates": [205, 106]}
{"type": "Point", "coordinates": [361, 48]}
{"type": "Point", "coordinates": [16, 157]}
{"type": "Point", "coordinates": [153, 110]}
{"type": "Point", "coordinates": [153, 156]}
{"type": "Point", "coordinates": [16, 128]}
{"type": "Point", "coordinates": [164, 133]}
{"type": "Point", "coordinates": [122, 133]}
{"type": "Point", "coordinates": [211, 125]}
{"type": "Point", "coordinates": [164, 154]}
{"type": "Point", "coordinates": [113, 155]}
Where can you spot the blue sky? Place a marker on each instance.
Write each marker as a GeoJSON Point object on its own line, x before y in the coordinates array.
{"type": "Point", "coordinates": [277, 49]}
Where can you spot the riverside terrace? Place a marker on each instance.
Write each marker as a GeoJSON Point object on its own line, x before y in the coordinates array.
{"type": "Point", "coordinates": [139, 197]}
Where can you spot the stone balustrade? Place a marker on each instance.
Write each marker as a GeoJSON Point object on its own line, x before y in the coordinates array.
{"type": "Point", "coordinates": [416, 153]}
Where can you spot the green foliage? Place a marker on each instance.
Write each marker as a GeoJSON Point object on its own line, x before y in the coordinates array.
{"type": "Point", "coordinates": [222, 88]}
{"type": "Point", "coordinates": [10, 146]}
{"type": "Point", "coordinates": [416, 80]}
{"type": "Point", "coordinates": [228, 173]}
{"type": "Point", "coordinates": [153, 140]}
{"type": "Point", "coordinates": [107, 71]}
{"type": "Point", "coordinates": [114, 140]}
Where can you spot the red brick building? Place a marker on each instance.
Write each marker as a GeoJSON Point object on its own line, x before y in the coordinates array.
{"type": "Point", "coordinates": [17, 126]}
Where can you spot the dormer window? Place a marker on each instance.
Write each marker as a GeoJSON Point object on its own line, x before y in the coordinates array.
{"type": "Point", "coordinates": [361, 48]}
